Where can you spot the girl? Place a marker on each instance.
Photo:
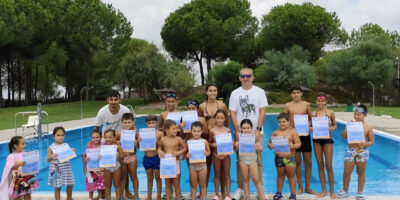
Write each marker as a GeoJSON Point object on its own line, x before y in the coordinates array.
{"type": "Point", "coordinates": [198, 171]}
{"type": "Point", "coordinates": [248, 163]}
{"type": "Point", "coordinates": [222, 164]}
{"type": "Point", "coordinates": [59, 173]}
{"type": "Point", "coordinates": [13, 182]}
{"type": "Point", "coordinates": [324, 147]}
{"type": "Point", "coordinates": [170, 104]}
{"type": "Point", "coordinates": [192, 105]}
{"type": "Point", "coordinates": [94, 179]}
{"type": "Point", "coordinates": [113, 173]}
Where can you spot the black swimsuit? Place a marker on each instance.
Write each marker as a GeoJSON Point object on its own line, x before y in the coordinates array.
{"type": "Point", "coordinates": [205, 113]}
{"type": "Point", "coordinates": [322, 142]}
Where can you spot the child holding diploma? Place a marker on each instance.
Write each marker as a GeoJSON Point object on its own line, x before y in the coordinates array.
{"type": "Point", "coordinates": [129, 160]}
{"type": "Point", "coordinates": [11, 182]}
{"type": "Point", "coordinates": [359, 136]}
{"type": "Point", "coordinates": [198, 169]}
{"type": "Point", "coordinates": [94, 177]}
{"type": "Point", "coordinates": [172, 144]}
{"type": "Point", "coordinates": [323, 124]}
{"type": "Point", "coordinates": [221, 159]}
{"type": "Point", "coordinates": [112, 173]}
{"type": "Point", "coordinates": [248, 159]}
{"type": "Point", "coordinates": [151, 161]}
{"type": "Point", "coordinates": [60, 173]}
{"type": "Point", "coordinates": [170, 105]}
{"type": "Point", "coordinates": [285, 141]}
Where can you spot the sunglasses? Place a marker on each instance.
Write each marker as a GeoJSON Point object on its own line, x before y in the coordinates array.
{"type": "Point", "coordinates": [359, 109]}
{"type": "Point", "coordinates": [173, 95]}
{"type": "Point", "coordinates": [245, 75]}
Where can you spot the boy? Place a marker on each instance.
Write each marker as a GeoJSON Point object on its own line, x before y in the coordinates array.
{"type": "Point", "coordinates": [129, 160]}
{"type": "Point", "coordinates": [172, 144]}
{"type": "Point", "coordinates": [357, 154]}
{"type": "Point", "coordinates": [285, 162]}
{"type": "Point", "coordinates": [151, 161]}
{"type": "Point", "coordinates": [299, 107]}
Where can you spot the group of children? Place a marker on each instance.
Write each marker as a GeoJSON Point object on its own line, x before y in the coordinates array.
{"type": "Point", "coordinates": [172, 140]}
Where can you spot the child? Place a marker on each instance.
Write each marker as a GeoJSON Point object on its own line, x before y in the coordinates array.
{"type": "Point", "coordinates": [192, 105]}
{"type": "Point", "coordinates": [13, 182]}
{"type": "Point", "coordinates": [357, 154]}
{"type": "Point", "coordinates": [171, 144]}
{"type": "Point", "coordinates": [170, 104]}
{"type": "Point", "coordinates": [151, 161]}
{"type": "Point", "coordinates": [248, 163]}
{"type": "Point", "coordinates": [129, 160]}
{"type": "Point", "coordinates": [113, 173]}
{"type": "Point", "coordinates": [198, 171]}
{"type": "Point", "coordinates": [59, 173]}
{"type": "Point", "coordinates": [299, 107]}
{"type": "Point", "coordinates": [324, 147]}
{"type": "Point", "coordinates": [222, 163]}
{"type": "Point", "coordinates": [94, 179]}
{"type": "Point", "coordinates": [285, 162]}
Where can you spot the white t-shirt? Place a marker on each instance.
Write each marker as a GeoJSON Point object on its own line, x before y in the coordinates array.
{"type": "Point", "coordinates": [246, 104]}
{"type": "Point", "coordinates": [110, 121]}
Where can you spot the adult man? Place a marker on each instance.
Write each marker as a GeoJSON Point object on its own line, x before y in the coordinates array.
{"type": "Point", "coordinates": [248, 102]}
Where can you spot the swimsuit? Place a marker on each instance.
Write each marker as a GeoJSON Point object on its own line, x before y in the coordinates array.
{"type": "Point", "coordinates": [305, 144]}
{"type": "Point", "coordinates": [197, 166]}
{"type": "Point", "coordinates": [322, 142]}
{"type": "Point", "coordinates": [285, 161]}
{"type": "Point", "coordinates": [113, 169]}
{"type": "Point", "coordinates": [356, 155]}
{"type": "Point", "coordinates": [205, 113]}
{"type": "Point", "coordinates": [151, 162]}
{"type": "Point", "coordinates": [248, 159]}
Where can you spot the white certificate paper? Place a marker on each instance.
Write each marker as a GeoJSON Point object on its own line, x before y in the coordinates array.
{"type": "Point", "coordinates": [175, 116]}
{"type": "Point", "coordinates": [148, 136]}
{"type": "Point", "coordinates": [224, 144]}
{"type": "Point", "coordinates": [64, 152]}
{"type": "Point", "coordinates": [355, 132]}
{"type": "Point", "coordinates": [247, 144]}
{"type": "Point", "coordinates": [32, 160]}
{"type": "Point", "coordinates": [94, 163]}
{"type": "Point", "coordinates": [128, 140]}
{"type": "Point", "coordinates": [281, 144]}
{"type": "Point", "coordinates": [320, 127]}
{"type": "Point", "coordinates": [108, 156]}
{"type": "Point", "coordinates": [301, 124]}
{"type": "Point", "coordinates": [197, 148]}
{"type": "Point", "coordinates": [168, 166]}
{"type": "Point", "coordinates": [189, 117]}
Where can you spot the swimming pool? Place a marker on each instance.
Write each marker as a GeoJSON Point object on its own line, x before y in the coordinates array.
{"type": "Point", "coordinates": [383, 169]}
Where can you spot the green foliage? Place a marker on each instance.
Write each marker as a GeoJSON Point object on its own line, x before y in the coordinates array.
{"type": "Point", "coordinates": [286, 68]}
{"type": "Point", "coordinates": [367, 30]}
{"type": "Point", "coordinates": [306, 25]}
{"type": "Point", "coordinates": [226, 77]}
{"type": "Point", "coordinates": [175, 75]}
{"type": "Point", "coordinates": [198, 97]}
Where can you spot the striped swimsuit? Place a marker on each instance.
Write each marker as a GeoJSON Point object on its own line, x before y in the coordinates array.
{"type": "Point", "coordinates": [60, 173]}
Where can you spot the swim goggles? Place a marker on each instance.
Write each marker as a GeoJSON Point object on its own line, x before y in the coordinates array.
{"type": "Point", "coordinates": [359, 109]}
{"type": "Point", "coordinates": [321, 97]}
{"type": "Point", "coordinates": [170, 94]}
{"type": "Point", "coordinates": [192, 102]}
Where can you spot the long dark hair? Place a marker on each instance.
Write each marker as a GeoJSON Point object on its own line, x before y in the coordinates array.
{"type": "Point", "coordinates": [14, 140]}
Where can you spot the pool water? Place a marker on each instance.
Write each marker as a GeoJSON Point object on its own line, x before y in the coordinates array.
{"type": "Point", "coordinates": [382, 173]}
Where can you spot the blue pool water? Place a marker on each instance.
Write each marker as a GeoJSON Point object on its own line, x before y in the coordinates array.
{"type": "Point", "coordinates": [383, 169]}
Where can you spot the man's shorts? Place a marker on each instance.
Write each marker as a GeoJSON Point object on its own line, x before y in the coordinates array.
{"type": "Point", "coordinates": [151, 162]}
{"type": "Point", "coordinates": [285, 161]}
{"type": "Point", "coordinates": [356, 155]}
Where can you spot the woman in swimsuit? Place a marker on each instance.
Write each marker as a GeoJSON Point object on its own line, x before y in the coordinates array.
{"type": "Point", "coordinates": [324, 147]}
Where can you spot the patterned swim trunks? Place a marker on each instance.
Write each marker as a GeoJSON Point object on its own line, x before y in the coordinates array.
{"type": "Point", "coordinates": [356, 155]}
{"type": "Point", "coordinates": [285, 161]}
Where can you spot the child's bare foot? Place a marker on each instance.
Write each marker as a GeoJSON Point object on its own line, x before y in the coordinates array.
{"type": "Point", "coordinates": [129, 195]}
{"type": "Point", "coordinates": [333, 195]}
{"type": "Point", "coordinates": [310, 191]}
{"type": "Point", "coordinates": [322, 194]}
{"type": "Point", "coordinates": [299, 191]}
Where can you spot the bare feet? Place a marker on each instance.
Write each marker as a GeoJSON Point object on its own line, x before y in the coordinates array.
{"type": "Point", "coordinates": [333, 195]}
{"type": "Point", "coordinates": [322, 194]}
{"type": "Point", "coordinates": [310, 191]}
{"type": "Point", "coordinates": [129, 195]}
{"type": "Point", "coordinates": [299, 191]}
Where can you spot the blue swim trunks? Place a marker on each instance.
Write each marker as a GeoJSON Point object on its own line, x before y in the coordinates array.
{"type": "Point", "coordinates": [151, 162]}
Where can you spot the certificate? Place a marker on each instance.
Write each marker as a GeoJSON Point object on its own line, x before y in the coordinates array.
{"type": "Point", "coordinates": [148, 136]}
{"type": "Point", "coordinates": [355, 132]}
{"type": "Point", "coordinates": [94, 163]}
{"type": "Point", "coordinates": [31, 159]}
{"type": "Point", "coordinates": [175, 116]}
{"type": "Point", "coordinates": [247, 144]}
{"type": "Point", "coordinates": [189, 117]}
{"type": "Point", "coordinates": [224, 144]}
{"type": "Point", "coordinates": [128, 140]}
{"type": "Point", "coordinates": [168, 166]}
{"type": "Point", "coordinates": [108, 156]}
{"type": "Point", "coordinates": [320, 127]}
{"type": "Point", "coordinates": [64, 152]}
{"type": "Point", "coordinates": [301, 124]}
{"type": "Point", "coordinates": [281, 144]}
{"type": "Point", "coordinates": [197, 148]}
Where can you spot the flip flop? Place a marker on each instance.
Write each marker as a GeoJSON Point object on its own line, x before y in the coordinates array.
{"type": "Point", "coordinates": [292, 197]}
{"type": "Point", "coordinates": [215, 197]}
{"type": "Point", "coordinates": [277, 196]}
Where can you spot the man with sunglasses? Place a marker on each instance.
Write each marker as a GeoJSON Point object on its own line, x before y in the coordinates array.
{"type": "Point", "coordinates": [248, 102]}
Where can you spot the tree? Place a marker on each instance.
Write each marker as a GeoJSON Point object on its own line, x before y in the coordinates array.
{"type": "Point", "coordinates": [369, 29]}
{"type": "Point", "coordinates": [306, 25]}
{"type": "Point", "coordinates": [210, 29]}
{"type": "Point", "coordinates": [226, 77]}
{"type": "Point", "coordinates": [287, 68]}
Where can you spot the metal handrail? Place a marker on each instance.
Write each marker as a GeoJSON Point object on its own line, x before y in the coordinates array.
{"type": "Point", "coordinates": [30, 112]}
